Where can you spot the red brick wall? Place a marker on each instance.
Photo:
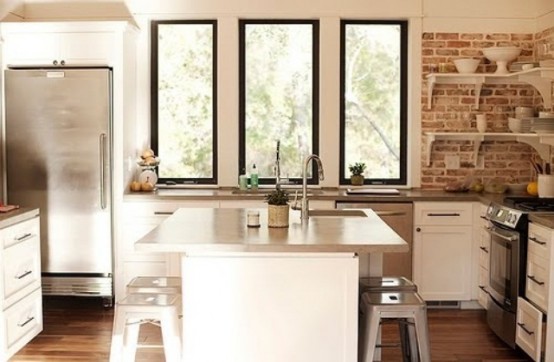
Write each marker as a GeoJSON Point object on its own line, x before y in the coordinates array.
{"type": "Point", "coordinates": [453, 108]}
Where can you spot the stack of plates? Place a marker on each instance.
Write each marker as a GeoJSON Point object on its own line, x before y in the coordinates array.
{"type": "Point", "coordinates": [542, 125]}
{"type": "Point", "coordinates": [519, 125]}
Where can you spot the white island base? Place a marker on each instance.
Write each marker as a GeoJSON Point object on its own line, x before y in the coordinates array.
{"type": "Point", "coordinates": [270, 307]}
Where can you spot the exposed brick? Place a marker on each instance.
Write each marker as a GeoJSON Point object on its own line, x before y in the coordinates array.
{"type": "Point", "coordinates": [428, 36]}
{"type": "Point", "coordinates": [448, 52]}
{"type": "Point", "coordinates": [505, 92]}
{"type": "Point", "coordinates": [497, 100]}
{"type": "Point", "coordinates": [433, 44]}
{"type": "Point", "coordinates": [482, 44]}
{"type": "Point", "coordinates": [427, 52]}
{"type": "Point", "coordinates": [458, 44]}
{"type": "Point", "coordinates": [497, 36]}
{"type": "Point", "coordinates": [521, 37]}
{"type": "Point", "coordinates": [471, 36]}
{"type": "Point", "coordinates": [447, 36]}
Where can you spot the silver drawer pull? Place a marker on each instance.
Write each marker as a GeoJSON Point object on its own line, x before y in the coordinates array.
{"type": "Point", "coordinates": [23, 237]}
{"type": "Point", "coordinates": [25, 273]}
{"type": "Point", "coordinates": [532, 277]}
{"type": "Point", "coordinates": [29, 319]}
{"type": "Point", "coordinates": [537, 241]}
{"type": "Point", "coordinates": [444, 214]}
{"type": "Point", "coordinates": [522, 326]}
{"type": "Point", "coordinates": [484, 249]}
{"type": "Point", "coordinates": [163, 212]}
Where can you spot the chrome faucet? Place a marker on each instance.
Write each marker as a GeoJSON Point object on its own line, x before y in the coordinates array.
{"type": "Point", "coordinates": [305, 205]}
{"type": "Point", "coordinates": [277, 167]}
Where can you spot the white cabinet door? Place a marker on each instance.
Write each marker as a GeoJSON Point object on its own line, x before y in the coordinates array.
{"type": "Point", "coordinates": [443, 244]}
{"type": "Point", "coordinates": [442, 262]}
{"type": "Point", "coordinates": [52, 48]}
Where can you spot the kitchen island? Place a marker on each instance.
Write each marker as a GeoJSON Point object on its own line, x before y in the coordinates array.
{"type": "Point", "coordinates": [271, 294]}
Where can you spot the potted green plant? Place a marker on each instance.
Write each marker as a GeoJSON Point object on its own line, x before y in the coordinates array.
{"type": "Point", "coordinates": [357, 173]}
{"type": "Point", "coordinates": [277, 209]}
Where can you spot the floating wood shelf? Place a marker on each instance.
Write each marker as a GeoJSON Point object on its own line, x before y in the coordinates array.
{"type": "Point", "coordinates": [540, 78]}
{"type": "Point", "coordinates": [540, 142]}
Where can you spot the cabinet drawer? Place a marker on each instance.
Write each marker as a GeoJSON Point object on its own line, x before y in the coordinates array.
{"type": "Point", "coordinates": [23, 321]}
{"type": "Point", "coordinates": [483, 295]}
{"type": "Point", "coordinates": [20, 232]}
{"type": "Point", "coordinates": [536, 284]}
{"type": "Point", "coordinates": [529, 329]}
{"type": "Point", "coordinates": [539, 239]}
{"type": "Point", "coordinates": [443, 213]}
{"type": "Point", "coordinates": [21, 269]}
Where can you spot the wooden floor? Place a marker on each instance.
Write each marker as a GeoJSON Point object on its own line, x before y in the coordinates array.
{"type": "Point", "coordinates": [79, 329]}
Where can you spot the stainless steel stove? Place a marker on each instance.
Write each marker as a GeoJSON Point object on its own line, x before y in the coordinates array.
{"type": "Point", "coordinates": [530, 204]}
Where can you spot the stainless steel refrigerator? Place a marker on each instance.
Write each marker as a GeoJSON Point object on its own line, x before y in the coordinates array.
{"type": "Point", "coordinates": [58, 158]}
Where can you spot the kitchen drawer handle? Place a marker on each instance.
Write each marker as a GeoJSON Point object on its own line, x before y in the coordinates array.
{"type": "Point", "coordinates": [390, 213]}
{"type": "Point", "coordinates": [25, 273]}
{"type": "Point", "coordinates": [484, 217]}
{"type": "Point", "coordinates": [482, 287]}
{"type": "Point", "coordinates": [443, 214]}
{"type": "Point", "coordinates": [29, 319]}
{"type": "Point", "coordinates": [23, 237]}
{"type": "Point", "coordinates": [537, 241]}
{"type": "Point", "coordinates": [484, 249]}
{"type": "Point", "coordinates": [163, 212]}
{"type": "Point", "coordinates": [532, 277]}
{"type": "Point", "coordinates": [522, 326]}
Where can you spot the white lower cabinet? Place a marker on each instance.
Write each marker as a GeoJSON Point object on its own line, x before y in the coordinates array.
{"type": "Point", "coordinates": [20, 284]}
{"type": "Point", "coordinates": [443, 240]}
{"type": "Point", "coordinates": [530, 329]}
{"type": "Point", "coordinates": [484, 247]}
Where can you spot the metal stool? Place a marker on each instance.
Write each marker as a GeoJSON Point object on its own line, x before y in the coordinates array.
{"type": "Point", "coordinates": [386, 284]}
{"type": "Point", "coordinates": [164, 285]}
{"type": "Point", "coordinates": [408, 305]}
{"type": "Point", "coordinates": [139, 308]}
{"type": "Point", "coordinates": [406, 329]}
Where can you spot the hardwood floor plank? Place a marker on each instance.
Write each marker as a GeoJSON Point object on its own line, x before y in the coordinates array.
{"type": "Point", "coordinates": [79, 330]}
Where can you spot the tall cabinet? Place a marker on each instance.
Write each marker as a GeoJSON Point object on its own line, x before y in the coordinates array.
{"type": "Point", "coordinates": [87, 43]}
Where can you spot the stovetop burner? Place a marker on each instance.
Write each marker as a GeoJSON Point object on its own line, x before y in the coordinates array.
{"type": "Point", "coordinates": [530, 203]}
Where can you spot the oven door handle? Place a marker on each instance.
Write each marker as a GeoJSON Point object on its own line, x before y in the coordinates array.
{"type": "Point", "coordinates": [508, 238]}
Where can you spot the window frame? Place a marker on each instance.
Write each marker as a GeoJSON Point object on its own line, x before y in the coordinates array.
{"type": "Point", "coordinates": [242, 167]}
{"type": "Point", "coordinates": [402, 179]}
{"type": "Point", "coordinates": [154, 100]}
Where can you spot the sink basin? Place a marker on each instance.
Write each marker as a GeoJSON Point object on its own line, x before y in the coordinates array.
{"type": "Point", "coordinates": [336, 213]}
{"type": "Point", "coordinates": [264, 191]}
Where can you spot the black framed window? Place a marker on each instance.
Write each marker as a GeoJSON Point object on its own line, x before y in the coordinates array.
{"type": "Point", "coordinates": [373, 114]}
{"type": "Point", "coordinates": [184, 101]}
{"type": "Point", "coordinates": [278, 98]}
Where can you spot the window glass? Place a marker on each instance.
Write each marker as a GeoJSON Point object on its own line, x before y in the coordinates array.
{"type": "Point", "coordinates": [373, 104]}
{"type": "Point", "coordinates": [184, 100]}
{"type": "Point", "coordinates": [278, 97]}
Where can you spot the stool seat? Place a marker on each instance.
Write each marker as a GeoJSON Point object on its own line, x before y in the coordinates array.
{"type": "Point", "coordinates": [138, 308]}
{"type": "Point", "coordinates": [170, 285]}
{"type": "Point", "coordinates": [406, 306]}
{"type": "Point", "coordinates": [385, 284]}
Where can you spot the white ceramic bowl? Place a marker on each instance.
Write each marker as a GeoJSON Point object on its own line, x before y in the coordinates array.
{"type": "Point", "coordinates": [501, 55]}
{"type": "Point", "coordinates": [514, 124]}
{"type": "Point", "coordinates": [466, 65]}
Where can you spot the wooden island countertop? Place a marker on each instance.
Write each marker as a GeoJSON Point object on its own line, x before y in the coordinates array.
{"type": "Point", "coordinates": [199, 230]}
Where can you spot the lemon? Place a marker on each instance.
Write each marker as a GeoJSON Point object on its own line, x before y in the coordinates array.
{"type": "Point", "coordinates": [533, 188]}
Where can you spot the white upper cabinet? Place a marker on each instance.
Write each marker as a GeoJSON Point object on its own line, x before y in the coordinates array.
{"type": "Point", "coordinates": [44, 44]}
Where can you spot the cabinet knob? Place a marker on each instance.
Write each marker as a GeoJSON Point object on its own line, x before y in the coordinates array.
{"type": "Point", "coordinates": [62, 62]}
{"type": "Point", "coordinates": [55, 62]}
{"type": "Point", "coordinates": [418, 229]}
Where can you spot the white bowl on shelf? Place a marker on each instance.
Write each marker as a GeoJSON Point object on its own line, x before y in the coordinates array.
{"type": "Point", "coordinates": [466, 65]}
{"type": "Point", "coordinates": [501, 55]}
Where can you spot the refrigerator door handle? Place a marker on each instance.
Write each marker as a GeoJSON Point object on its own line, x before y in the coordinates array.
{"type": "Point", "coordinates": [102, 176]}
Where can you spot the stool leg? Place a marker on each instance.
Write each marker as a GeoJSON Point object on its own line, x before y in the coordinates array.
{"type": "Point", "coordinates": [171, 335]}
{"type": "Point", "coordinates": [404, 341]}
{"type": "Point", "coordinates": [422, 333]}
{"type": "Point", "coordinates": [132, 329]}
{"type": "Point", "coordinates": [372, 330]}
{"type": "Point", "coordinates": [412, 338]}
{"type": "Point", "coordinates": [116, 349]}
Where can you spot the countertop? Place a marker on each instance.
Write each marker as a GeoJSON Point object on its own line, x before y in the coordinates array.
{"type": "Point", "coordinates": [328, 194]}
{"type": "Point", "coordinates": [16, 216]}
{"type": "Point", "coordinates": [206, 230]}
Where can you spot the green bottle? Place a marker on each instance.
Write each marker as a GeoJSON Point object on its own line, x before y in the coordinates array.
{"type": "Point", "coordinates": [254, 177]}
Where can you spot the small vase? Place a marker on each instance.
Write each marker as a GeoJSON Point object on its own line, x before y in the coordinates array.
{"type": "Point", "coordinates": [278, 216]}
{"type": "Point", "coordinates": [357, 180]}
